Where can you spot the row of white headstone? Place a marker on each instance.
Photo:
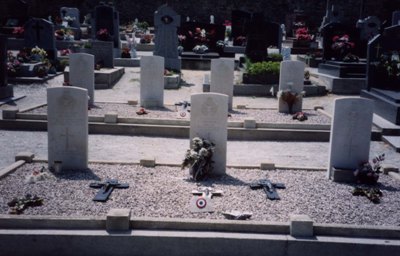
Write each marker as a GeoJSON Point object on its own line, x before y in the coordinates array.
{"type": "Point", "coordinates": [68, 113]}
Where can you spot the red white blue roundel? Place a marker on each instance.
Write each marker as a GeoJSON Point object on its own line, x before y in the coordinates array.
{"type": "Point", "coordinates": [183, 114]}
{"type": "Point", "coordinates": [201, 203]}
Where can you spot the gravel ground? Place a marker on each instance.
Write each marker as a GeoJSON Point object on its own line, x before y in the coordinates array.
{"type": "Point", "coordinates": [169, 112]}
{"type": "Point", "coordinates": [165, 192]}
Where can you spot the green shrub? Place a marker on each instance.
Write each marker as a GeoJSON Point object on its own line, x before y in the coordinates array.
{"type": "Point", "coordinates": [275, 57]}
{"type": "Point", "coordinates": [264, 67]}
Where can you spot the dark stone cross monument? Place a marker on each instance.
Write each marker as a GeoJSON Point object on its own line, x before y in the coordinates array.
{"type": "Point", "coordinates": [383, 74]}
{"type": "Point", "coordinates": [6, 91]}
{"type": "Point", "coordinates": [166, 22]}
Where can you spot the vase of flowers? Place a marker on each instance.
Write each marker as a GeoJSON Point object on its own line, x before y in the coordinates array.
{"type": "Point", "coordinates": [38, 54]}
{"type": "Point", "coordinates": [199, 158]}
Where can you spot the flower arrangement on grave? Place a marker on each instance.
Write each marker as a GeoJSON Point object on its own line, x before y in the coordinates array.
{"type": "Point", "coordinates": [144, 26]}
{"type": "Point", "coordinates": [59, 34]}
{"type": "Point", "coordinates": [368, 172]}
{"type": "Point", "coordinates": [342, 46]}
{"type": "Point", "coordinates": [300, 116]}
{"type": "Point", "coordinates": [200, 49]}
{"type": "Point", "coordinates": [389, 64]}
{"type": "Point", "coordinates": [125, 53]}
{"type": "Point", "coordinates": [69, 19]}
{"type": "Point", "coordinates": [13, 65]}
{"type": "Point", "coordinates": [18, 205]}
{"type": "Point", "coordinates": [18, 31]}
{"type": "Point", "coordinates": [199, 158]}
{"type": "Point", "coordinates": [103, 35]}
{"type": "Point", "coordinates": [290, 97]}
{"type": "Point", "coordinates": [41, 70]}
{"type": "Point", "coordinates": [38, 54]}
{"type": "Point", "coordinates": [168, 72]}
{"type": "Point", "coordinates": [302, 34]}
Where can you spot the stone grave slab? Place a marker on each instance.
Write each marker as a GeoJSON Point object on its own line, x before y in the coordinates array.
{"type": "Point", "coordinates": [152, 81]}
{"type": "Point", "coordinates": [81, 68]}
{"type": "Point", "coordinates": [292, 80]}
{"type": "Point", "coordinates": [208, 120]}
{"type": "Point", "coordinates": [222, 76]}
{"type": "Point", "coordinates": [350, 135]}
{"type": "Point", "coordinates": [67, 127]}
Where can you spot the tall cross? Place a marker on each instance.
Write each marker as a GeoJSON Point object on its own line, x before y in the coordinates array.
{"type": "Point", "coordinates": [378, 47]}
{"type": "Point", "coordinates": [37, 27]}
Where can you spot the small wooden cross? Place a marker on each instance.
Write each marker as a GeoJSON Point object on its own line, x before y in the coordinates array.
{"type": "Point", "coordinates": [269, 188]}
{"type": "Point", "coordinates": [106, 188]}
{"type": "Point", "coordinates": [207, 192]}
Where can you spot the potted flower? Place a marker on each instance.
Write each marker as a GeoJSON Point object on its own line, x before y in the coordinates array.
{"type": "Point", "coordinates": [199, 158]}
{"type": "Point", "coordinates": [125, 53]}
{"type": "Point", "coordinates": [59, 34]}
{"type": "Point", "coordinates": [13, 65]}
{"type": "Point", "coordinates": [303, 38]}
{"type": "Point", "coordinates": [146, 39]}
{"type": "Point", "coordinates": [69, 20]}
{"type": "Point", "coordinates": [18, 32]}
{"type": "Point", "coordinates": [388, 70]}
{"type": "Point", "coordinates": [41, 71]}
{"type": "Point", "coordinates": [38, 54]}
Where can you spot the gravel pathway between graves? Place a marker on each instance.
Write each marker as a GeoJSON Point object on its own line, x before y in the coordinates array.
{"type": "Point", "coordinates": [168, 112]}
{"type": "Point", "coordinates": [166, 192]}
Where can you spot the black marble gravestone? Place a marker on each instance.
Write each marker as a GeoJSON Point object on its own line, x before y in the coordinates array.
{"type": "Point", "coordinates": [383, 74]}
{"type": "Point", "coordinates": [106, 17]}
{"type": "Point", "coordinates": [40, 32]}
{"type": "Point", "coordinates": [240, 20]}
{"type": "Point", "coordinates": [6, 91]}
{"type": "Point", "coordinates": [260, 36]}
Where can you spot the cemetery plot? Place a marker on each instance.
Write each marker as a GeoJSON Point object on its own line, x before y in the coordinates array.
{"type": "Point", "coordinates": [166, 192]}
{"type": "Point", "coordinates": [170, 112]}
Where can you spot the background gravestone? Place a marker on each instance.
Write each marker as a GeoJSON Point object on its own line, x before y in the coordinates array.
{"type": "Point", "coordinates": [260, 36]}
{"type": "Point", "coordinates": [208, 120]}
{"type": "Point", "coordinates": [103, 53]}
{"type": "Point", "coordinates": [73, 13]}
{"type": "Point", "coordinates": [333, 15]}
{"type": "Point", "coordinates": [369, 28]}
{"type": "Point", "coordinates": [166, 22]}
{"type": "Point", "coordinates": [81, 73]}
{"type": "Point", "coordinates": [350, 134]}
{"type": "Point", "coordinates": [338, 29]}
{"type": "Point", "coordinates": [222, 75]}
{"type": "Point", "coordinates": [152, 81]}
{"type": "Point", "coordinates": [106, 17]}
{"type": "Point", "coordinates": [396, 18]}
{"type": "Point", "coordinates": [40, 32]}
{"type": "Point", "coordinates": [383, 86]}
{"type": "Point", "coordinates": [291, 78]}
{"type": "Point", "coordinates": [67, 127]}
{"type": "Point", "coordinates": [6, 90]}
{"type": "Point", "coordinates": [240, 20]}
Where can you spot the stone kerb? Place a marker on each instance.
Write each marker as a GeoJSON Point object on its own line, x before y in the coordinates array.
{"type": "Point", "coordinates": [291, 80]}
{"type": "Point", "coordinates": [222, 76]}
{"type": "Point", "coordinates": [152, 81]}
{"type": "Point", "coordinates": [209, 120]}
{"type": "Point", "coordinates": [81, 68]}
{"type": "Point", "coordinates": [350, 134]}
{"type": "Point", "coordinates": [67, 128]}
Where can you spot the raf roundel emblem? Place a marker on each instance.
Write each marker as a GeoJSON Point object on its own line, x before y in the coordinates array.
{"type": "Point", "coordinates": [201, 203]}
{"type": "Point", "coordinates": [183, 114]}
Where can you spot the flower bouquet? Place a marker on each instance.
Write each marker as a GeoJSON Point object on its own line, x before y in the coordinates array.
{"type": "Point", "coordinates": [199, 158]}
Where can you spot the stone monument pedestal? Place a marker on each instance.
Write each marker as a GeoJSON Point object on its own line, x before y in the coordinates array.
{"type": "Point", "coordinates": [6, 92]}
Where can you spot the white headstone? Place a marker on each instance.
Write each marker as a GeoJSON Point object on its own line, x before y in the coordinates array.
{"type": "Point", "coordinates": [151, 81]}
{"type": "Point", "coordinates": [67, 127]}
{"type": "Point", "coordinates": [222, 76]}
{"type": "Point", "coordinates": [291, 78]}
{"type": "Point", "coordinates": [81, 73]}
{"type": "Point", "coordinates": [209, 120]}
{"type": "Point", "coordinates": [350, 133]}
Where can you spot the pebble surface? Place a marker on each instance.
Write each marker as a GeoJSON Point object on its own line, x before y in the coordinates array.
{"type": "Point", "coordinates": [169, 112]}
{"type": "Point", "coordinates": [166, 192]}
